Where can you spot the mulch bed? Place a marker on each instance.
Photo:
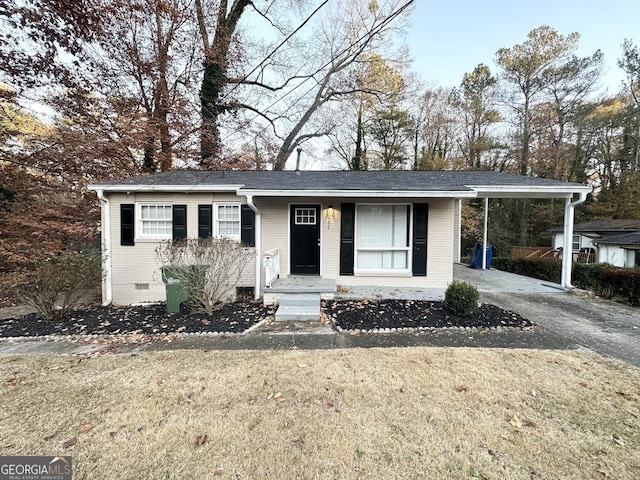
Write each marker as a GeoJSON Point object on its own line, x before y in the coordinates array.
{"type": "Point", "coordinates": [146, 320]}
{"type": "Point", "coordinates": [390, 314]}
{"type": "Point", "coordinates": [238, 317]}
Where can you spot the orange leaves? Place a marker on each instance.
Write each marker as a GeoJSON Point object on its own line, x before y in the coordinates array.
{"type": "Point", "coordinates": [85, 428]}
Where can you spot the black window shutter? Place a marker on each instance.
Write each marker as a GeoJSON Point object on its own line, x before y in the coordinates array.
{"type": "Point", "coordinates": [179, 222]}
{"type": "Point", "coordinates": [247, 226]}
{"type": "Point", "coordinates": [205, 221]}
{"type": "Point", "coordinates": [127, 224]}
{"type": "Point", "coordinates": [347, 229]}
{"type": "Point", "coordinates": [420, 221]}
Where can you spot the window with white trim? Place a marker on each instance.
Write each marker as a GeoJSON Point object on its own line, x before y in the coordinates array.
{"type": "Point", "coordinates": [156, 220]}
{"type": "Point", "coordinates": [575, 243]}
{"type": "Point", "coordinates": [382, 237]}
{"type": "Point", "coordinates": [227, 219]}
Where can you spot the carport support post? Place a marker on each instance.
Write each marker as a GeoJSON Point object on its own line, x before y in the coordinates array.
{"type": "Point", "coordinates": [484, 235]}
{"type": "Point", "coordinates": [567, 247]}
{"type": "Point", "coordinates": [567, 250]}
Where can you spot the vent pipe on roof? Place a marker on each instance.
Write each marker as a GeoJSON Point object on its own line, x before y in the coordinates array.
{"type": "Point", "coordinates": [299, 149]}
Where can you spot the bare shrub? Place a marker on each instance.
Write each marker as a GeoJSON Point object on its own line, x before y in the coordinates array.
{"type": "Point", "coordinates": [61, 284]}
{"type": "Point", "coordinates": [209, 269]}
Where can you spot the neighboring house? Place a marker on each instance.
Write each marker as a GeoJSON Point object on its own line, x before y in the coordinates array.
{"type": "Point", "coordinates": [616, 242]}
{"type": "Point", "coordinates": [375, 228]}
{"type": "Point", "coordinates": [620, 250]}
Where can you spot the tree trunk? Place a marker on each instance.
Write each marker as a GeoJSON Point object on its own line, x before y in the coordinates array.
{"type": "Point", "coordinates": [213, 82]}
{"type": "Point", "coordinates": [163, 41]}
{"type": "Point", "coordinates": [214, 77]}
{"type": "Point", "coordinates": [148, 162]}
{"type": "Point", "coordinates": [526, 137]}
{"type": "Point", "coordinates": [356, 164]}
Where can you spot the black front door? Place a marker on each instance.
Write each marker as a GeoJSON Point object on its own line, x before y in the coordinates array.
{"type": "Point", "coordinates": [305, 239]}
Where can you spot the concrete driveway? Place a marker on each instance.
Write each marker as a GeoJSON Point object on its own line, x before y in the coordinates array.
{"type": "Point", "coordinates": [601, 326]}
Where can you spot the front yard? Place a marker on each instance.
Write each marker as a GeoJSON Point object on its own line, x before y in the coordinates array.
{"type": "Point", "coordinates": [339, 414]}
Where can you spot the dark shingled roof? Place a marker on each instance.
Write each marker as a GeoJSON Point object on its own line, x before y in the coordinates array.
{"type": "Point", "coordinates": [624, 239]}
{"type": "Point", "coordinates": [405, 180]}
{"type": "Point", "coordinates": [604, 227]}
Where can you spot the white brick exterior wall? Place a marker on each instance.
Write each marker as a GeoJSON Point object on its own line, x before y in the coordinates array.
{"type": "Point", "coordinates": [137, 264]}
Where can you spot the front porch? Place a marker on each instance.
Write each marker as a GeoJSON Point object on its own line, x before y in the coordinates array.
{"type": "Point", "coordinates": [324, 287]}
{"type": "Point", "coordinates": [484, 280]}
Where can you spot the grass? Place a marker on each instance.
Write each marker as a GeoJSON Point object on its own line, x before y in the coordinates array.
{"type": "Point", "coordinates": [340, 414]}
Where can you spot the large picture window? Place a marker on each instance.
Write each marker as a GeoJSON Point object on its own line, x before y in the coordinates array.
{"type": "Point", "coordinates": [228, 220]}
{"type": "Point", "coordinates": [156, 220]}
{"type": "Point", "coordinates": [382, 237]}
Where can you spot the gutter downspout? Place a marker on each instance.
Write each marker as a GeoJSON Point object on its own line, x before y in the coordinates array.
{"type": "Point", "coordinates": [258, 247]}
{"type": "Point", "coordinates": [567, 252]}
{"type": "Point", "coordinates": [106, 247]}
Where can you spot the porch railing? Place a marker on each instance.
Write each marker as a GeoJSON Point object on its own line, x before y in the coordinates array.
{"type": "Point", "coordinates": [271, 263]}
{"type": "Point", "coordinates": [546, 252]}
{"type": "Point", "coordinates": [532, 252]}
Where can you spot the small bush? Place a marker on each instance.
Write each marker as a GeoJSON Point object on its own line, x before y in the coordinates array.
{"type": "Point", "coordinates": [62, 283]}
{"type": "Point", "coordinates": [462, 298]}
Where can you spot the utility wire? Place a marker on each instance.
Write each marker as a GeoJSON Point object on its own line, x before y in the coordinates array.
{"type": "Point", "coordinates": [325, 65]}
{"type": "Point", "coordinates": [287, 38]}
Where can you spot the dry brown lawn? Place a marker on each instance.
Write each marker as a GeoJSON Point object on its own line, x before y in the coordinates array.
{"type": "Point", "coordinates": [420, 413]}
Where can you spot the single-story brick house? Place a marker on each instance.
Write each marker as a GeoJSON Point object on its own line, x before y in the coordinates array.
{"type": "Point", "coordinates": [375, 228]}
{"type": "Point", "coordinates": [614, 241]}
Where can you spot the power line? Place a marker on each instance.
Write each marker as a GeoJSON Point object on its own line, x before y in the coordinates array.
{"type": "Point", "coordinates": [287, 38]}
{"type": "Point", "coordinates": [367, 34]}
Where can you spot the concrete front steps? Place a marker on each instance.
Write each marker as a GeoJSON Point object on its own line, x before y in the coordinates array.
{"type": "Point", "coordinates": [325, 287]}
{"type": "Point", "coordinates": [298, 307]}
{"type": "Point", "coordinates": [298, 299]}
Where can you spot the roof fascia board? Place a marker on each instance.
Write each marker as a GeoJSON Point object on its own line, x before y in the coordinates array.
{"type": "Point", "coordinates": [514, 191]}
{"type": "Point", "coordinates": [165, 188]}
{"type": "Point", "coordinates": [361, 193]}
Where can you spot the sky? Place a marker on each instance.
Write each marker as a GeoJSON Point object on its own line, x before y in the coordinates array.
{"type": "Point", "coordinates": [448, 38]}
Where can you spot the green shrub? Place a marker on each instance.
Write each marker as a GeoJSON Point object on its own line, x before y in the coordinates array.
{"type": "Point", "coordinates": [585, 275]}
{"type": "Point", "coordinates": [606, 281]}
{"type": "Point", "coordinates": [62, 283]}
{"type": "Point", "coordinates": [548, 269]}
{"type": "Point", "coordinates": [619, 283]}
{"type": "Point", "coordinates": [462, 298]}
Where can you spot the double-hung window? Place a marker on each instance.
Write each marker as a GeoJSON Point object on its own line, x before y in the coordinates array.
{"type": "Point", "coordinates": [382, 237]}
{"type": "Point", "coordinates": [227, 218]}
{"type": "Point", "coordinates": [156, 220]}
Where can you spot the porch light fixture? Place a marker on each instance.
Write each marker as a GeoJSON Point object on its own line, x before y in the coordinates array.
{"type": "Point", "coordinates": [330, 215]}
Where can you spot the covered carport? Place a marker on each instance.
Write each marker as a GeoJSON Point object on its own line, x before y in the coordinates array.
{"type": "Point", "coordinates": [530, 187]}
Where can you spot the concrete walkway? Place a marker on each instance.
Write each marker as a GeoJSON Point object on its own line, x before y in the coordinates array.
{"type": "Point", "coordinates": [605, 327]}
